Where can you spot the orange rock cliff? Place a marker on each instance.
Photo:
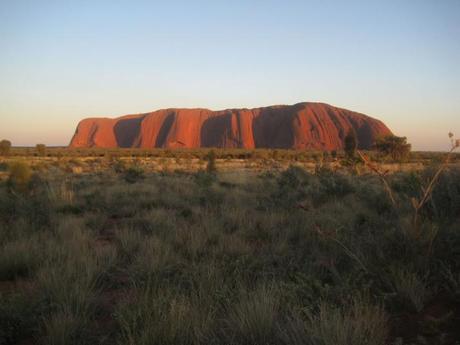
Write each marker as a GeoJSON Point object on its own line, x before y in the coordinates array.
{"type": "Point", "coordinates": [316, 126]}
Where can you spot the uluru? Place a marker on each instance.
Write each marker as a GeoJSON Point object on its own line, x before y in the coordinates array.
{"type": "Point", "coordinates": [306, 125]}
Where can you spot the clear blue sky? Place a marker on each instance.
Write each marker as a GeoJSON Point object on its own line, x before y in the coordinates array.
{"type": "Point", "coordinates": [61, 61]}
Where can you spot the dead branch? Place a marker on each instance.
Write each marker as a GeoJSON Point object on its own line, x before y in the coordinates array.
{"type": "Point", "coordinates": [380, 174]}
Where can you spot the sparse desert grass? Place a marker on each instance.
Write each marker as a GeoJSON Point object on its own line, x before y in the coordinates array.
{"type": "Point", "coordinates": [227, 257]}
{"type": "Point", "coordinates": [253, 319]}
{"type": "Point", "coordinates": [358, 323]}
{"type": "Point", "coordinates": [19, 258]}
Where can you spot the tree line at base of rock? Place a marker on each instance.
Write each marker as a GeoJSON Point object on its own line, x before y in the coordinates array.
{"type": "Point", "coordinates": [391, 146]}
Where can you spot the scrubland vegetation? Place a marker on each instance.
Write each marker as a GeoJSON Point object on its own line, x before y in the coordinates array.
{"type": "Point", "coordinates": [106, 251]}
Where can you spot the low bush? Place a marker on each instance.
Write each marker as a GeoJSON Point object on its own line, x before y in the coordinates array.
{"type": "Point", "coordinates": [133, 174]}
{"type": "Point", "coordinates": [35, 210]}
{"type": "Point", "coordinates": [291, 187]}
{"type": "Point", "coordinates": [20, 176]}
{"type": "Point", "coordinates": [204, 179]}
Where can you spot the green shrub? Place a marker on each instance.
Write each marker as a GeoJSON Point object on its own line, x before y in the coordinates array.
{"type": "Point", "coordinates": [332, 184]}
{"type": "Point", "coordinates": [35, 209]}
{"type": "Point", "coordinates": [204, 179]}
{"type": "Point", "coordinates": [291, 187]}
{"type": "Point", "coordinates": [375, 197]}
{"type": "Point", "coordinates": [118, 165]}
{"type": "Point", "coordinates": [407, 184]}
{"type": "Point", "coordinates": [293, 177]}
{"type": "Point", "coordinates": [134, 174]}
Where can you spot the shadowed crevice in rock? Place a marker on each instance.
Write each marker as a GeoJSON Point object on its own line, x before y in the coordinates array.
{"type": "Point", "coordinates": [272, 128]}
{"type": "Point", "coordinates": [127, 131]}
{"type": "Point", "coordinates": [164, 130]}
{"type": "Point", "coordinates": [215, 131]}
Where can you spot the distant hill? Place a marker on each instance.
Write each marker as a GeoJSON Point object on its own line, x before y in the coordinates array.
{"type": "Point", "coordinates": [316, 126]}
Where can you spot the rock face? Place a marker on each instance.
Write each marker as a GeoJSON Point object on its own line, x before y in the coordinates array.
{"type": "Point", "coordinates": [316, 126]}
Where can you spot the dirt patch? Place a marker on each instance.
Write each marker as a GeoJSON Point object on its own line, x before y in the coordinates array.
{"type": "Point", "coordinates": [438, 323]}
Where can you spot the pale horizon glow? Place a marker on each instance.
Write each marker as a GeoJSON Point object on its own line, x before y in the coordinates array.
{"type": "Point", "coordinates": [60, 62]}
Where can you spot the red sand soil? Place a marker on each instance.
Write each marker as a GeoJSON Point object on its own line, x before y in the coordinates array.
{"type": "Point", "coordinates": [438, 323]}
{"type": "Point", "coordinates": [301, 126]}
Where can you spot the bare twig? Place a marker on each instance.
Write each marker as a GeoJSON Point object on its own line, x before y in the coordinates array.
{"type": "Point", "coordinates": [427, 192]}
{"type": "Point", "coordinates": [343, 246]}
{"type": "Point", "coordinates": [381, 175]}
{"type": "Point", "coordinates": [303, 207]}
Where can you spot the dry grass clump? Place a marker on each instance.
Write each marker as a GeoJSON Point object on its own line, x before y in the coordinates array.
{"type": "Point", "coordinates": [411, 290]}
{"type": "Point", "coordinates": [20, 176]}
{"type": "Point", "coordinates": [19, 258]}
{"type": "Point", "coordinates": [158, 315]}
{"type": "Point", "coordinates": [356, 324]}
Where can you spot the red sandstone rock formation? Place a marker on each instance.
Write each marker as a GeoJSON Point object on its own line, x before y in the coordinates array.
{"type": "Point", "coordinates": [300, 126]}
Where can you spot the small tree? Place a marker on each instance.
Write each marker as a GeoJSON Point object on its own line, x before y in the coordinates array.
{"type": "Point", "coordinates": [334, 154]}
{"type": "Point", "coordinates": [395, 147]}
{"type": "Point", "coordinates": [41, 149]}
{"type": "Point", "coordinates": [350, 144]}
{"type": "Point", "coordinates": [5, 146]}
{"type": "Point", "coordinates": [211, 166]}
